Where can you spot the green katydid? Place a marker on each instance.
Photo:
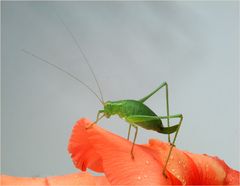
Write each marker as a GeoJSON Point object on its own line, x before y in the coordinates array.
{"type": "Point", "coordinates": [137, 114]}
{"type": "Point", "coordinates": [134, 112]}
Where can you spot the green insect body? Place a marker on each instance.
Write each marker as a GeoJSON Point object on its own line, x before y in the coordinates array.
{"type": "Point", "coordinates": [134, 112]}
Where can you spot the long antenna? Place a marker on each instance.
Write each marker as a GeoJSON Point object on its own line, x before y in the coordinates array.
{"type": "Point", "coordinates": [84, 56]}
{"type": "Point", "coordinates": [62, 70]}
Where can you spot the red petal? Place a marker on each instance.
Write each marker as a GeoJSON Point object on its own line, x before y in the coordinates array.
{"type": "Point", "coordinates": [96, 148]}
{"type": "Point", "coordinates": [70, 179]}
{"type": "Point", "coordinates": [117, 163]}
{"type": "Point", "coordinates": [76, 179]}
{"type": "Point", "coordinates": [181, 168]}
{"type": "Point", "coordinates": [21, 181]}
{"type": "Point", "coordinates": [210, 170]}
{"type": "Point", "coordinates": [232, 177]}
{"type": "Point", "coordinates": [82, 152]}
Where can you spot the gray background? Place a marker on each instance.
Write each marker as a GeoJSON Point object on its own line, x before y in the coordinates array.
{"type": "Point", "coordinates": [133, 47]}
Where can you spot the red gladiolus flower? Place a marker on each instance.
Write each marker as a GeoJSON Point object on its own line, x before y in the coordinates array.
{"type": "Point", "coordinates": [102, 151]}
{"type": "Point", "coordinates": [70, 180]}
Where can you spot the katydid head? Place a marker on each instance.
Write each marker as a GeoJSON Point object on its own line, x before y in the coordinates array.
{"type": "Point", "coordinates": [112, 108]}
{"type": "Point", "coordinates": [108, 109]}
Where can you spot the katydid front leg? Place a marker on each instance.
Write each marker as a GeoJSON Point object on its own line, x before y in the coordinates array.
{"type": "Point", "coordinates": [97, 119]}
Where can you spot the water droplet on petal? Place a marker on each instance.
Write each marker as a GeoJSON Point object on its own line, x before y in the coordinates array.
{"type": "Point", "coordinates": [184, 182]}
{"type": "Point", "coordinates": [178, 176]}
{"type": "Point", "coordinates": [173, 170]}
{"type": "Point", "coordinates": [147, 162]}
{"type": "Point", "coordinates": [139, 177]}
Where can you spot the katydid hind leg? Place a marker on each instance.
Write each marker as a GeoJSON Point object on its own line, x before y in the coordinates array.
{"type": "Point", "coordinates": [164, 84]}
{"type": "Point", "coordinates": [144, 120]}
{"type": "Point", "coordinates": [172, 145]}
{"type": "Point", "coordinates": [165, 130]}
{"type": "Point", "coordinates": [171, 116]}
